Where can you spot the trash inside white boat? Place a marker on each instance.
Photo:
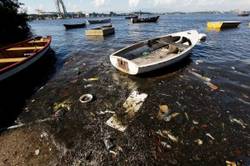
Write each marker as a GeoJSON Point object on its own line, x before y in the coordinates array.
{"type": "Point", "coordinates": [156, 53]}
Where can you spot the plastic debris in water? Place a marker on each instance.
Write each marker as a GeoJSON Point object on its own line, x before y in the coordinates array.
{"type": "Point", "coordinates": [195, 122]}
{"type": "Point", "coordinates": [132, 106]}
{"type": "Point", "coordinates": [86, 98]}
{"type": "Point", "coordinates": [167, 134]}
{"type": "Point", "coordinates": [212, 86]}
{"type": "Point", "coordinates": [206, 80]}
{"type": "Point", "coordinates": [163, 112]}
{"type": "Point", "coordinates": [197, 62]}
{"type": "Point", "coordinates": [238, 121]}
{"type": "Point", "coordinates": [92, 79]}
{"type": "Point", "coordinates": [231, 163]}
{"type": "Point", "coordinates": [199, 141]}
{"type": "Point", "coordinates": [115, 123]}
{"type": "Point", "coordinates": [37, 152]}
{"type": "Point", "coordinates": [210, 136]}
{"type": "Point", "coordinates": [106, 112]}
{"type": "Point", "coordinates": [200, 76]}
{"type": "Point", "coordinates": [65, 104]}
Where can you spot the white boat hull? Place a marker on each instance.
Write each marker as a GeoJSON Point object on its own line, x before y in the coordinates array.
{"type": "Point", "coordinates": [133, 69]}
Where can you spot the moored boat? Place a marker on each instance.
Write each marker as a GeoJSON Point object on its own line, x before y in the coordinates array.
{"type": "Point", "coordinates": [99, 21]}
{"type": "Point", "coordinates": [101, 31]}
{"type": "Point", "coordinates": [131, 16]}
{"type": "Point", "coordinates": [223, 24]}
{"type": "Point", "coordinates": [73, 26]}
{"type": "Point", "coordinates": [145, 20]}
{"type": "Point", "coordinates": [243, 14]}
{"type": "Point", "coordinates": [156, 53]}
{"type": "Point", "coordinates": [19, 56]}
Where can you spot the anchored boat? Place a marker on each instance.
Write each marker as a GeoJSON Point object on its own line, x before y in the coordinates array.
{"type": "Point", "coordinates": [17, 57]}
{"type": "Point", "coordinates": [149, 55]}
{"type": "Point", "coordinates": [99, 21]}
{"type": "Point", "coordinates": [73, 26]}
{"type": "Point", "coordinates": [145, 20]}
{"type": "Point", "coordinates": [101, 31]}
{"type": "Point", "coordinates": [131, 16]}
{"type": "Point", "coordinates": [243, 14]}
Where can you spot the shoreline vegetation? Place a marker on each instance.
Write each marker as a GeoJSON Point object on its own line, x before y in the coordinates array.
{"type": "Point", "coordinates": [14, 24]}
{"type": "Point", "coordinates": [55, 15]}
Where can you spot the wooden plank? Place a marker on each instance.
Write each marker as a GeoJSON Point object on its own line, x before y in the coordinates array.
{"type": "Point", "coordinates": [11, 60]}
{"type": "Point", "coordinates": [24, 48]}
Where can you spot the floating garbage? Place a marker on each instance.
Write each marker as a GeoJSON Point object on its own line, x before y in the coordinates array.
{"type": "Point", "coordinates": [106, 112]}
{"type": "Point", "coordinates": [212, 86]}
{"type": "Point", "coordinates": [37, 152]}
{"type": "Point", "coordinates": [200, 76]}
{"type": "Point", "coordinates": [206, 80]}
{"type": "Point", "coordinates": [198, 141]}
{"type": "Point", "coordinates": [163, 112]}
{"type": "Point", "coordinates": [93, 79]}
{"type": "Point", "coordinates": [134, 102]}
{"type": "Point", "coordinates": [86, 98]}
{"type": "Point", "coordinates": [65, 104]}
{"type": "Point", "coordinates": [115, 123]}
{"type": "Point", "coordinates": [108, 142]}
{"type": "Point", "coordinates": [132, 106]}
{"type": "Point", "coordinates": [238, 121]}
{"type": "Point", "coordinates": [167, 134]}
{"type": "Point", "coordinates": [210, 136]}
{"type": "Point", "coordinates": [231, 163]}
{"type": "Point", "coordinates": [197, 62]}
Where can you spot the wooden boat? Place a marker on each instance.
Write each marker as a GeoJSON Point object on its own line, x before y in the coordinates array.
{"type": "Point", "coordinates": [103, 21]}
{"type": "Point", "coordinates": [19, 56]}
{"type": "Point", "coordinates": [145, 20]}
{"type": "Point", "coordinates": [223, 25]}
{"type": "Point", "coordinates": [131, 16]}
{"type": "Point", "coordinates": [149, 55]}
{"type": "Point", "coordinates": [101, 31]}
{"type": "Point", "coordinates": [73, 26]}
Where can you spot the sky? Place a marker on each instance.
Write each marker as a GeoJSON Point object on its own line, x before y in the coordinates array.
{"type": "Point", "coordinates": [136, 5]}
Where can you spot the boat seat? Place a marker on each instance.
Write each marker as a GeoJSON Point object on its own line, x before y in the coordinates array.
{"type": "Point", "coordinates": [11, 60]}
{"type": "Point", "coordinates": [24, 48]}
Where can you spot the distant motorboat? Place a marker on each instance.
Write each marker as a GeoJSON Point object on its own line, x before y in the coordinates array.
{"type": "Point", "coordinates": [243, 13]}
{"type": "Point", "coordinates": [103, 21]}
{"type": "Point", "coordinates": [145, 20]}
{"type": "Point", "coordinates": [73, 26]}
{"type": "Point", "coordinates": [156, 53]}
{"type": "Point", "coordinates": [131, 16]}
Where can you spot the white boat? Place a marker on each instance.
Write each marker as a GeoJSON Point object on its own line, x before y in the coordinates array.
{"type": "Point", "coordinates": [156, 53]}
